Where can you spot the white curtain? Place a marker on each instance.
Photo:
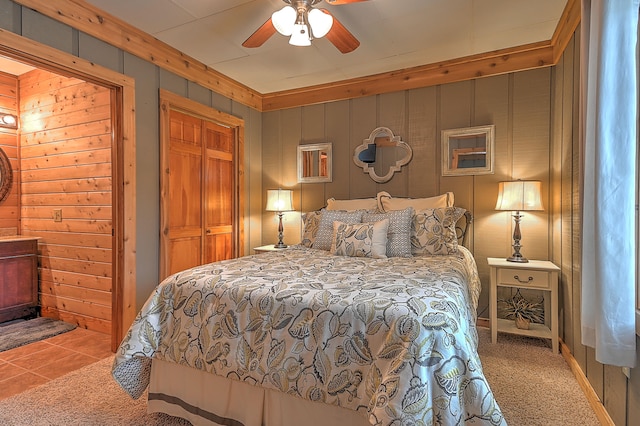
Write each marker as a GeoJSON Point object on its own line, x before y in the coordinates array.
{"type": "Point", "coordinates": [608, 139]}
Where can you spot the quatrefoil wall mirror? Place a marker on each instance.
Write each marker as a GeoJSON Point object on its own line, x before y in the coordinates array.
{"type": "Point", "coordinates": [382, 154]}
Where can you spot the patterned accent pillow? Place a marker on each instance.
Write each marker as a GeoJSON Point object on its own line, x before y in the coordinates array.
{"type": "Point", "coordinates": [310, 225]}
{"type": "Point", "coordinates": [433, 231]}
{"type": "Point", "coordinates": [399, 233]}
{"type": "Point", "coordinates": [360, 239]}
{"type": "Point", "coordinates": [325, 229]}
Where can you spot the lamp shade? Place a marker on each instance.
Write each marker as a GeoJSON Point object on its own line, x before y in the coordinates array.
{"type": "Point", "coordinates": [284, 19]}
{"type": "Point", "coordinates": [520, 195]}
{"type": "Point", "coordinates": [300, 35]}
{"type": "Point", "coordinates": [320, 22]}
{"type": "Point", "coordinates": [279, 200]}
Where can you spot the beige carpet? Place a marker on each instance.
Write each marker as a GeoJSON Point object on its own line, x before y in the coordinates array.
{"type": "Point", "coordinates": [532, 387]}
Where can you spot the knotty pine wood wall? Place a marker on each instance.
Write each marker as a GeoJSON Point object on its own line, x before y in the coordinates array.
{"type": "Point", "coordinates": [65, 145]}
{"type": "Point", "coordinates": [9, 209]}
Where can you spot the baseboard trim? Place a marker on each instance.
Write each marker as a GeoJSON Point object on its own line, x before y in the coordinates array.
{"type": "Point", "coordinates": [483, 322]}
{"type": "Point", "coordinates": [592, 397]}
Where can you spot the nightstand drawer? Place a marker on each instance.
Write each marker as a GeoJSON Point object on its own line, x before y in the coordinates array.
{"type": "Point", "coordinates": [514, 277]}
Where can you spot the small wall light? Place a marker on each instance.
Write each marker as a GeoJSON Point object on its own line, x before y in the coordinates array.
{"type": "Point", "coordinates": [8, 120]}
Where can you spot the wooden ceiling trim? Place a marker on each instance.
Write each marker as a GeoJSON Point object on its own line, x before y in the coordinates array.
{"type": "Point", "coordinates": [98, 23]}
{"type": "Point", "coordinates": [498, 62]}
{"type": "Point", "coordinates": [93, 21]}
{"type": "Point", "coordinates": [567, 25]}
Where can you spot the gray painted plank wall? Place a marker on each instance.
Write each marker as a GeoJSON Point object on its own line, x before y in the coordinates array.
{"type": "Point", "coordinates": [518, 104]}
{"type": "Point", "coordinates": [621, 397]}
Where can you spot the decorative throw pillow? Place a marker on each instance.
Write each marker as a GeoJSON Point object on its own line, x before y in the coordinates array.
{"type": "Point", "coordinates": [433, 231]}
{"type": "Point", "coordinates": [387, 203]}
{"type": "Point", "coordinates": [399, 233]}
{"type": "Point", "coordinates": [350, 205]}
{"type": "Point", "coordinates": [310, 225]}
{"type": "Point", "coordinates": [360, 239]}
{"type": "Point", "coordinates": [325, 229]}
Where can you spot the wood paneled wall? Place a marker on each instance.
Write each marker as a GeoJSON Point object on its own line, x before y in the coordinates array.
{"type": "Point", "coordinates": [619, 396]}
{"type": "Point", "coordinates": [66, 166]}
{"type": "Point", "coordinates": [9, 208]}
{"type": "Point", "coordinates": [519, 104]}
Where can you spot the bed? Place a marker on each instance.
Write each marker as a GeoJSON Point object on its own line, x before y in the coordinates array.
{"type": "Point", "coordinates": [308, 336]}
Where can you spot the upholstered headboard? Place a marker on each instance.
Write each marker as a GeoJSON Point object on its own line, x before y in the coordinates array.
{"type": "Point", "coordinates": [463, 227]}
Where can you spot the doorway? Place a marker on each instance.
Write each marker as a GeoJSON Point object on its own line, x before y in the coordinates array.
{"type": "Point", "coordinates": [121, 233]}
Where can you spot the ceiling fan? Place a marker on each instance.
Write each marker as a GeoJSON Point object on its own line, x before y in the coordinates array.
{"type": "Point", "coordinates": [300, 20]}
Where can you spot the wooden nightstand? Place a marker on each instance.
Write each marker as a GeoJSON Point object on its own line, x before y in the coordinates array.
{"type": "Point", "coordinates": [533, 275]}
{"type": "Point", "coordinates": [266, 249]}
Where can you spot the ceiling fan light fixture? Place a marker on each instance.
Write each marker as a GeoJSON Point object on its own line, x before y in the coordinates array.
{"type": "Point", "coordinates": [284, 20]}
{"type": "Point", "coordinates": [320, 22]}
{"type": "Point", "coordinates": [300, 35]}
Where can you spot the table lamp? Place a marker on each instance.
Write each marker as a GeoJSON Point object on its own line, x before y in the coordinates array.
{"type": "Point", "coordinates": [279, 201]}
{"type": "Point", "coordinates": [519, 195]}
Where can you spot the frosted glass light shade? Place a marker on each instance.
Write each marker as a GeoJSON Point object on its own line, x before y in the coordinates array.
{"type": "Point", "coordinates": [320, 22]}
{"type": "Point", "coordinates": [8, 120]}
{"type": "Point", "coordinates": [300, 36]}
{"type": "Point", "coordinates": [279, 200]}
{"type": "Point", "coordinates": [284, 19]}
{"type": "Point", "coordinates": [520, 195]}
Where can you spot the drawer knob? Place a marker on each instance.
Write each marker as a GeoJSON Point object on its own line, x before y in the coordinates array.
{"type": "Point", "coordinates": [517, 278]}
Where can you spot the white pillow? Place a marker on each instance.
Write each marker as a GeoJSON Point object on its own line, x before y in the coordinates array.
{"type": "Point", "coordinates": [367, 239]}
{"type": "Point", "coordinates": [387, 203]}
{"type": "Point", "coordinates": [350, 205]}
{"type": "Point", "coordinates": [399, 232]}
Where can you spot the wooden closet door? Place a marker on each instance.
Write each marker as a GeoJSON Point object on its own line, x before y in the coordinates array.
{"type": "Point", "coordinates": [184, 232]}
{"type": "Point", "coordinates": [218, 192]}
{"type": "Point", "coordinates": [201, 187]}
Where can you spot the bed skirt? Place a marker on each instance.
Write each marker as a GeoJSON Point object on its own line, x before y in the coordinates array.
{"type": "Point", "coordinates": [212, 400]}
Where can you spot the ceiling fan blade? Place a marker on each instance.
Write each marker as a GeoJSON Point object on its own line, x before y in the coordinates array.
{"type": "Point", "coordinates": [344, 1]}
{"type": "Point", "coordinates": [340, 36]}
{"type": "Point", "coordinates": [261, 35]}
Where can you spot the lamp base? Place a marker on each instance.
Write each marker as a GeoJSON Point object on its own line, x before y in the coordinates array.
{"type": "Point", "coordinates": [280, 245]}
{"type": "Point", "coordinates": [518, 259]}
{"type": "Point", "coordinates": [516, 256]}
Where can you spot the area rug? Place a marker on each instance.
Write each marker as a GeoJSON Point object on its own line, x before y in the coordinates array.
{"type": "Point", "coordinates": [24, 332]}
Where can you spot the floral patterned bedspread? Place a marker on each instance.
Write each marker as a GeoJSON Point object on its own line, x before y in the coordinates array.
{"type": "Point", "coordinates": [392, 338]}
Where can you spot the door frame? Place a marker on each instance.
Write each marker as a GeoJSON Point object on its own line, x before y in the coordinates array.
{"type": "Point", "coordinates": [122, 88]}
{"type": "Point", "coordinates": [170, 101]}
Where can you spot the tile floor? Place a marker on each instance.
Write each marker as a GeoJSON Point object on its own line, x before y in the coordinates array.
{"type": "Point", "coordinates": [32, 365]}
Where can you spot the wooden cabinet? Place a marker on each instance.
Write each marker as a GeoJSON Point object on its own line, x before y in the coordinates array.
{"type": "Point", "coordinates": [18, 277]}
{"type": "Point", "coordinates": [533, 275]}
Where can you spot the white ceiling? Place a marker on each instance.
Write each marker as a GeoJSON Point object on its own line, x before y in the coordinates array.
{"type": "Point", "coordinates": [394, 34]}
